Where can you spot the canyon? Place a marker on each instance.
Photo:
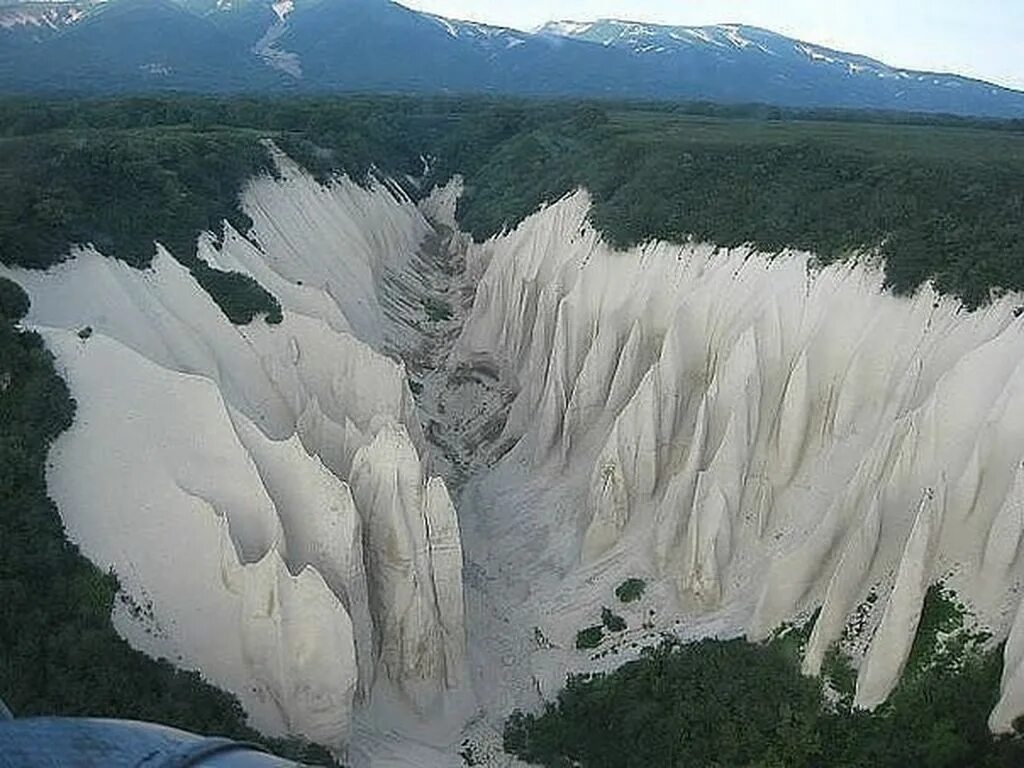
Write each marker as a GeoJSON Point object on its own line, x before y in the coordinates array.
{"type": "Point", "coordinates": [381, 522]}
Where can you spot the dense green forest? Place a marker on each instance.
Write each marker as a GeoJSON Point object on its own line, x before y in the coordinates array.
{"type": "Point", "coordinates": [59, 652]}
{"type": "Point", "coordinates": [746, 705]}
{"type": "Point", "coordinates": [939, 198]}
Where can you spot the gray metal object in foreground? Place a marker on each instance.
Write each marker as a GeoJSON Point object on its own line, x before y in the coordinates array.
{"type": "Point", "coordinates": [54, 742]}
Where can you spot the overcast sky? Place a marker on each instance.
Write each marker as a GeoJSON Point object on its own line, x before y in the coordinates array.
{"type": "Point", "coordinates": [980, 38]}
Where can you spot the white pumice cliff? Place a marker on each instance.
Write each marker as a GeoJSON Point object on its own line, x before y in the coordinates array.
{"type": "Point", "coordinates": [260, 490]}
{"type": "Point", "coordinates": [756, 436]}
{"type": "Point", "coordinates": [759, 436]}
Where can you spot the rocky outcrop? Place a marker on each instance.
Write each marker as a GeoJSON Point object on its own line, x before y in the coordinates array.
{"type": "Point", "coordinates": [260, 490]}
{"type": "Point", "coordinates": [758, 436]}
{"type": "Point", "coordinates": [764, 435]}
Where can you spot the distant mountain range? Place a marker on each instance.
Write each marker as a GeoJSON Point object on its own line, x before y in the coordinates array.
{"type": "Point", "coordinates": [110, 46]}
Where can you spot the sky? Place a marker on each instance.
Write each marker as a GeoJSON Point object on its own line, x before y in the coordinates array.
{"type": "Point", "coordinates": [978, 38]}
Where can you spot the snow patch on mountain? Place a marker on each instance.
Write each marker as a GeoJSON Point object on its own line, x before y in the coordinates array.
{"type": "Point", "coordinates": [565, 28]}
{"type": "Point", "coordinates": [644, 38]}
{"type": "Point", "coordinates": [282, 8]}
{"type": "Point", "coordinates": [267, 47]}
{"type": "Point", "coordinates": [42, 15]}
{"type": "Point", "coordinates": [478, 33]}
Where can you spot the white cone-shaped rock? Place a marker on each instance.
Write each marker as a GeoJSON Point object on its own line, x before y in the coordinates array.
{"type": "Point", "coordinates": [416, 583]}
{"type": "Point", "coordinates": [171, 499]}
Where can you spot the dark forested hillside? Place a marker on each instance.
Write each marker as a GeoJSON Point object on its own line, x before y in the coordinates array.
{"type": "Point", "coordinates": [941, 200]}
{"type": "Point", "coordinates": [734, 703]}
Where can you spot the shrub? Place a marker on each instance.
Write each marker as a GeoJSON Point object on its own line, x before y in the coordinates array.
{"type": "Point", "coordinates": [611, 621]}
{"type": "Point", "coordinates": [590, 637]}
{"type": "Point", "coordinates": [239, 297]}
{"type": "Point", "coordinates": [837, 669]}
{"type": "Point", "coordinates": [436, 309]}
{"type": "Point", "coordinates": [14, 303]}
{"type": "Point", "coordinates": [630, 590]}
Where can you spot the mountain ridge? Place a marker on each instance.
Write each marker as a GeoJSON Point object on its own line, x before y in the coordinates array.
{"type": "Point", "coordinates": [351, 45]}
{"type": "Point", "coordinates": [816, 51]}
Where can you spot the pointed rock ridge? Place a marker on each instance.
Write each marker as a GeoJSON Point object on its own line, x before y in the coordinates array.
{"type": "Point", "coordinates": [591, 390]}
{"type": "Point", "coordinates": [235, 252]}
{"type": "Point", "coordinates": [795, 578]}
{"type": "Point", "coordinates": [1011, 701]}
{"type": "Point", "coordinates": [891, 645]}
{"type": "Point", "coordinates": [338, 238]}
{"type": "Point", "coordinates": [286, 413]}
{"type": "Point", "coordinates": [298, 640]}
{"type": "Point", "coordinates": [331, 380]}
{"type": "Point", "coordinates": [441, 204]}
{"type": "Point", "coordinates": [283, 644]}
{"type": "Point", "coordinates": [1002, 554]}
{"type": "Point", "coordinates": [710, 537]}
{"type": "Point", "coordinates": [761, 437]}
{"type": "Point", "coordinates": [791, 425]}
{"type": "Point", "coordinates": [415, 586]}
{"type": "Point", "coordinates": [1003, 542]}
{"type": "Point", "coordinates": [844, 588]}
{"type": "Point", "coordinates": [609, 508]}
{"type": "Point", "coordinates": [321, 527]}
{"type": "Point", "coordinates": [445, 544]}
{"type": "Point", "coordinates": [676, 507]}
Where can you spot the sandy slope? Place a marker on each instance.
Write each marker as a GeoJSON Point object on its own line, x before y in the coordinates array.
{"type": "Point", "coordinates": [754, 436]}
{"type": "Point", "coordinates": [260, 490]}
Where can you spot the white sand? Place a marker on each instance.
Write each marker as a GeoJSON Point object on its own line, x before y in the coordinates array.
{"type": "Point", "coordinates": [754, 437]}
{"type": "Point", "coordinates": [300, 441]}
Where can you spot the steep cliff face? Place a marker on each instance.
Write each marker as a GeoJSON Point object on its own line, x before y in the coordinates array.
{"type": "Point", "coordinates": [757, 436]}
{"type": "Point", "coordinates": [260, 490]}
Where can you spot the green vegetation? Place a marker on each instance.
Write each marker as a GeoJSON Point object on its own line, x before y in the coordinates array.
{"type": "Point", "coordinates": [838, 671]}
{"type": "Point", "coordinates": [791, 638]}
{"type": "Point", "coordinates": [942, 619]}
{"type": "Point", "coordinates": [121, 191]}
{"type": "Point", "coordinates": [14, 303]}
{"type": "Point", "coordinates": [240, 297]}
{"type": "Point", "coordinates": [589, 637]}
{"type": "Point", "coordinates": [938, 203]}
{"type": "Point", "coordinates": [59, 653]}
{"type": "Point", "coordinates": [940, 199]}
{"type": "Point", "coordinates": [677, 706]}
{"type": "Point", "coordinates": [611, 621]}
{"type": "Point", "coordinates": [734, 703]}
{"type": "Point", "coordinates": [630, 590]}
